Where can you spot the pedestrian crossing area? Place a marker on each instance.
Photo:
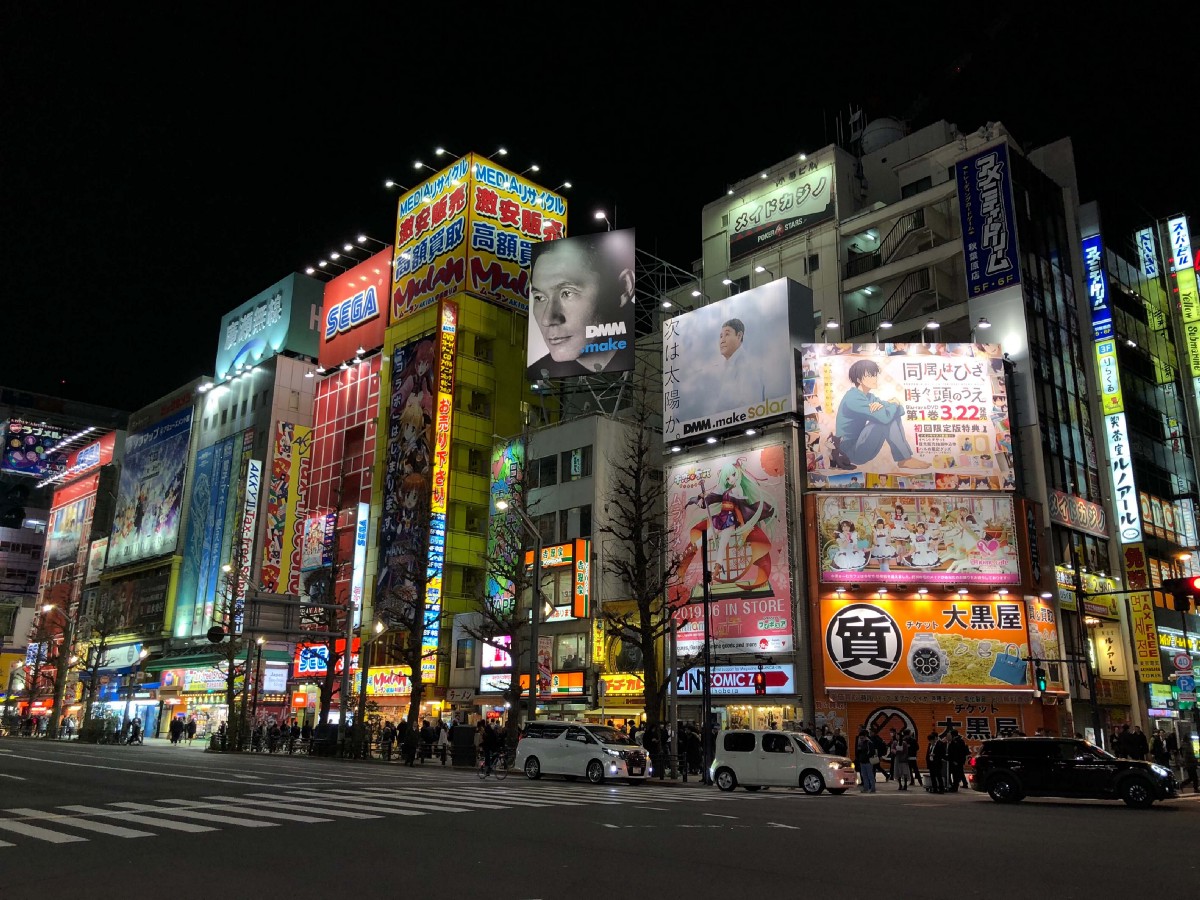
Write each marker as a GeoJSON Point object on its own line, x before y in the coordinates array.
{"type": "Point", "coordinates": [293, 805]}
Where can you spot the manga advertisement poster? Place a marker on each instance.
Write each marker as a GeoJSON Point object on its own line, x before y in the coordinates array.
{"type": "Point", "coordinates": [918, 539]}
{"type": "Point", "coordinates": [739, 500]}
{"type": "Point", "coordinates": [150, 495]}
{"type": "Point", "coordinates": [287, 495]}
{"type": "Point", "coordinates": [319, 531]}
{"type": "Point", "coordinates": [957, 643]}
{"type": "Point", "coordinates": [66, 529]}
{"type": "Point", "coordinates": [504, 529]}
{"type": "Point", "coordinates": [404, 528]}
{"type": "Point", "coordinates": [909, 417]}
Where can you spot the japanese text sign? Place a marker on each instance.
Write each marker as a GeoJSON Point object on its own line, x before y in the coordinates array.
{"type": "Point", "coordinates": [1095, 274]}
{"type": "Point", "coordinates": [794, 202]}
{"type": "Point", "coordinates": [1145, 638]}
{"type": "Point", "coordinates": [1120, 460]}
{"type": "Point", "coordinates": [1185, 285]}
{"type": "Point", "coordinates": [283, 317]}
{"type": "Point", "coordinates": [989, 227]}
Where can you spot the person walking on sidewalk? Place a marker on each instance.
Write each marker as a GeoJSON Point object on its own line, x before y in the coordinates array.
{"type": "Point", "coordinates": [387, 737]}
{"type": "Point", "coordinates": [190, 729]}
{"type": "Point", "coordinates": [956, 757]}
{"type": "Point", "coordinates": [176, 730]}
{"type": "Point", "coordinates": [1187, 761]}
{"type": "Point", "coordinates": [914, 756]}
{"type": "Point", "coordinates": [935, 761]}
{"type": "Point", "coordinates": [899, 751]}
{"type": "Point", "coordinates": [865, 760]}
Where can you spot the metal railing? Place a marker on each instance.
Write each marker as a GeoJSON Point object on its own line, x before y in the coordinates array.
{"type": "Point", "coordinates": [903, 227]}
{"type": "Point", "coordinates": [914, 283]}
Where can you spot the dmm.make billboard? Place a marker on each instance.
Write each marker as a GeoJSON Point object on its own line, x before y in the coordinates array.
{"type": "Point", "coordinates": [917, 539]}
{"type": "Point", "coordinates": [956, 643]}
{"type": "Point", "coordinates": [581, 302]}
{"type": "Point", "coordinates": [283, 317]}
{"type": "Point", "coordinates": [150, 495]}
{"type": "Point", "coordinates": [740, 500]}
{"type": "Point", "coordinates": [471, 227]}
{"type": "Point", "coordinates": [730, 364]}
{"type": "Point", "coordinates": [355, 310]}
{"type": "Point", "coordinates": [906, 416]}
{"type": "Point", "coordinates": [798, 201]}
{"type": "Point", "coordinates": [989, 227]}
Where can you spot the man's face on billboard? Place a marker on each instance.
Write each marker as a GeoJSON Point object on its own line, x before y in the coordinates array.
{"type": "Point", "coordinates": [565, 296]}
{"type": "Point", "coordinates": [728, 341]}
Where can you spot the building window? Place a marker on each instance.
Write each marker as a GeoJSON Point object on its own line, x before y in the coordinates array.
{"type": "Point", "coordinates": [472, 581]}
{"type": "Point", "coordinates": [477, 462]}
{"type": "Point", "coordinates": [464, 654]}
{"type": "Point", "coordinates": [254, 402]}
{"type": "Point", "coordinates": [812, 264]}
{"type": "Point", "coordinates": [224, 416]}
{"type": "Point", "coordinates": [742, 284]}
{"type": "Point", "coordinates": [243, 407]}
{"type": "Point", "coordinates": [915, 187]}
{"type": "Point", "coordinates": [543, 472]}
{"type": "Point", "coordinates": [576, 463]}
{"type": "Point", "coordinates": [546, 528]}
{"type": "Point", "coordinates": [569, 651]}
{"type": "Point", "coordinates": [575, 522]}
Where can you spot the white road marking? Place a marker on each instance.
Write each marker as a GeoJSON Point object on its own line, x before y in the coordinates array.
{"type": "Point", "coordinates": [13, 777]}
{"type": "Point", "coordinates": [61, 762]}
{"type": "Point", "coordinates": [194, 814]}
{"type": "Point", "coordinates": [247, 811]}
{"type": "Point", "coordinates": [781, 825]}
{"type": "Point", "coordinates": [84, 824]}
{"type": "Point", "coordinates": [374, 806]}
{"type": "Point", "coordinates": [42, 834]}
{"type": "Point", "coordinates": [190, 827]}
{"type": "Point", "coordinates": [716, 816]}
{"type": "Point", "coordinates": [273, 801]}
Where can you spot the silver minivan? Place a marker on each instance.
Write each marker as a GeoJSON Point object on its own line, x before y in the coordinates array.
{"type": "Point", "coordinates": [574, 750]}
{"type": "Point", "coordinates": [758, 759]}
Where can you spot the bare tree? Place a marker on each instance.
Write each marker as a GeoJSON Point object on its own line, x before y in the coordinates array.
{"type": "Point", "coordinates": [228, 611]}
{"type": "Point", "coordinates": [636, 552]}
{"type": "Point", "coordinates": [106, 620]}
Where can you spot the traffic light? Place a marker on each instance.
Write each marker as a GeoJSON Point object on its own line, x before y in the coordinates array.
{"type": "Point", "coordinates": [1039, 678]}
{"type": "Point", "coordinates": [1182, 591]}
{"type": "Point", "coordinates": [760, 682]}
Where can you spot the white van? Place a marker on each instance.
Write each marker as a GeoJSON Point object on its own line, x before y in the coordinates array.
{"type": "Point", "coordinates": [757, 759]}
{"type": "Point", "coordinates": [574, 750]}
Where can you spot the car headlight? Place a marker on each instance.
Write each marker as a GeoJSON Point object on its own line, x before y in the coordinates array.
{"type": "Point", "coordinates": [835, 764]}
{"type": "Point", "coordinates": [1160, 771]}
{"type": "Point", "coordinates": [616, 753]}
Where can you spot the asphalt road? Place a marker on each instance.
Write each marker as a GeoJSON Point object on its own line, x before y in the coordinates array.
{"type": "Point", "coordinates": [159, 821]}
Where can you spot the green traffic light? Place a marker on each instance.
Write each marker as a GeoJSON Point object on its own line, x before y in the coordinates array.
{"type": "Point", "coordinates": [1040, 677]}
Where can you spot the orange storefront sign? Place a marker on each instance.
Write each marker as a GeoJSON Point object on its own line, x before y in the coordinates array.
{"type": "Point", "coordinates": [956, 643]}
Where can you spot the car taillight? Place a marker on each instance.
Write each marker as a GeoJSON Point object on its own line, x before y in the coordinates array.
{"type": "Point", "coordinates": [971, 761]}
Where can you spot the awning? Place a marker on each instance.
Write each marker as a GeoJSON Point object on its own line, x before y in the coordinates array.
{"type": "Point", "coordinates": [194, 660]}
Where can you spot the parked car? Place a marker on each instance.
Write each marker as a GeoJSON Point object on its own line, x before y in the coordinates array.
{"type": "Point", "coordinates": [1009, 769]}
{"type": "Point", "coordinates": [758, 759]}
{"type": "Point", "coordinates": [574, 750]}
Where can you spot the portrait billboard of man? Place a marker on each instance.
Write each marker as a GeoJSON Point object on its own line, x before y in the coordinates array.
{"type": "Point", "coordinates": [581, 298]}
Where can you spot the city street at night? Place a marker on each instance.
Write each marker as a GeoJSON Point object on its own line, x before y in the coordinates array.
{"type": "Point", "coordinates": [299, 827]}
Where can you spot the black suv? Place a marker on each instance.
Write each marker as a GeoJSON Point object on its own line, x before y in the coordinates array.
{"type": "Point", "coordinates": [1012, 768]}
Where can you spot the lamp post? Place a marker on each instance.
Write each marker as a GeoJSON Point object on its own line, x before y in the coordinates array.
{"type": "Point", "coordinates": [257, 677]}
{"type": "Point", "coordinates": [706, 683]}
{"type": "Point", "coordinates": [535, 608]}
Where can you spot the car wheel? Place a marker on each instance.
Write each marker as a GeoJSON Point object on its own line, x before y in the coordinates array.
{"type": "Point", "coordinates": [726, 780]}
{"type": "Point", "coordinates": [595, 772]}
{"type": "Point", "coordinates": [836, 791]}
{"type": "Point", "coordinates": [533, 768]}
{"type": "Point", "coordinates": [1137, 793]}
{"type": "Point", "coordinates": [752, 787]}
{"type": "Point", "coordinates": [1004, 789]}
{"type": "Point", "coordinates": [812, 782]}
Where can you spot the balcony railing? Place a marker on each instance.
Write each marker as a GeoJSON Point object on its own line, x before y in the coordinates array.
{"type": "Point", "coordinates": [889, 246]}
{"type": "Point", "coordinates": [913, 284]}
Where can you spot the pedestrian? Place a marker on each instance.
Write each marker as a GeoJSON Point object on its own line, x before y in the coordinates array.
{"type": "Point", "coordinates": [68, 727]}
{"type": "Point", "coordinates": [956, 757]}
{"type": "Point", "coordinates": [1158, 749]}
{"type": "Point", "coordinates": [1139, 747]}
{"type": "Point", "coordinates": [135, 731]}
{"type": "Point", "coordinates": [935, 761]}
{"type": "Point", "coordinates": [880, 748]}
{"type": "Point", "coordinates": [1187, 760]}
{"type": "Point", "coordinates": [387, 738]}
{"type": "Point", "coordinates": [865, 760]}
{"type": "Point", "coordinates": [826, 739]}
{"type": "Point", "coordinates": [899, 753]}
{"type": "Point", "coordinates": [1120, 742]}
{"type": "Point", "coordinates": [428, 736]}
{"type": "Point", "coordinates": [914, 749]}
{"type": "Point", "coordinates": [443, 741]}
{"type": "Point", "coordinates": [841, 746]}
{"type": "Point", "coordinates": [190, 729]}
{"type": "Point", "coordinates": [306, 736]}
{"type": "Point", "coordinates": [176, 730]}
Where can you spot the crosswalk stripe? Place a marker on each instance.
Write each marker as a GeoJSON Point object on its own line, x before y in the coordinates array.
{"type": "Point", "coordinates": [420, 800]}
{"type": "Point", "coordinates": [514, 799]}
{"type": "Point", "coordinates": [273, 800]}
{"type": "Point", "coordinates": [134, 818]}
{"type": "Point", "coordinates": [6, 844]}
{"type": "Point", "coordinates": [249, 811]}
{"type": "Point", "coordinates": [347, 803]}
{"type": "Point", "coordinates": [84, 824]}
{"type": "Point", "coordinates": [42, 834]}
{"type": "Point", "coordinates": [195, 814]}
{"type": "Point", "coordinates": [473, 803]}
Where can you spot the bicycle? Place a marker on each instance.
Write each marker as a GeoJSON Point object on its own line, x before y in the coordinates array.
{"type": "Point", "coordinates": [496, 764]}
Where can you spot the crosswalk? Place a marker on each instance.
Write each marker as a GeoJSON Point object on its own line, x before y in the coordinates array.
{"type": "Point", "coordinates": [73, 823]}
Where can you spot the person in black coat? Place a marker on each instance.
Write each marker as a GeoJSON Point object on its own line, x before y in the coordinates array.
{"type": "Point", "coordinates": [956, 756]}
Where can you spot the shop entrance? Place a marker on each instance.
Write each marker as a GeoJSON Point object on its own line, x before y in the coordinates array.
{"type": "Point", "coordinates": [760, 717]}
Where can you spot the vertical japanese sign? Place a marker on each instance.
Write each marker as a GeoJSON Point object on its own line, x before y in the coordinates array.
{"type": "Point", "coordinates": [429, 259]}
{"type": "Point", "coordinates": [1111, 399]}
{"type": "Point", "coordinates": [1120, 460]}
{"type": "Point", "coordinates": [287, 506]}
{"type": "Point", "coordinates": [1043, 636]}
{"type": "Point", "coordinates": [1185, 287]}
{"type": "Point", "coordinates": [508, 215]}
{"type": "Point", "coordinates": [1097, 285]}
{"type": "Point", "coordinates": [249, 522]}
{"type": "Point", "coordinates": [361, 531]}
{"type": "Point", "coordinates": [989, 231]}
{"type": "Point", "coordinates": [906, 416]}
{"type": "Point", "coordinates": [545, 649]}
{"type": "Point", "coordinates": [1147, 252]}
{"type": "Point", "coordinates": [440, 493]}
{"type": "Point", "coordinates": [1110, 658]}
{"type": "Point", "coordinates": [1145, 637]}
{"type": "Point", "coordinates": [581, 603]}
{"type": "Point", "coordinates": [508, 484]}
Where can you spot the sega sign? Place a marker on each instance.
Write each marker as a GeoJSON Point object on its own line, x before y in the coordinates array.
{"type": "Point", "coordinates": [350, 312]}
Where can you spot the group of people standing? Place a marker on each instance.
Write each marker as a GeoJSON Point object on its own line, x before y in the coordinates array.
{"type": "Point", "coordinates": [945, 760]}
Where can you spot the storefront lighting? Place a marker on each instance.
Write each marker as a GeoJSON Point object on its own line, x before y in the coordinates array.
{"type": "Point", "coordinates": [500, 151]}
{"type": "Point", "coordinates": [763, 175]}
{"type": "Point", "coordinates": [710, 440]}
{"type": "Point", "coordinates": [726, 281]}
{"type": "Point", "coordinates": [666, 304]}
{"type": "Point", "coordinates": [962, 592]}
{"type": "Point", "coordinates": [832, 325]}
{"type": "Point", "coordinates": [320, 370]}
{"type": "Point", "coordinates": [322, 264]}
{"type": "Point", "coordinates": [922, 591]}
{"type": "Point", "coordinates": [1002, 592]}
{"type": "Point", "coordinates": [933, 324]}
{"type": "Point", "coordinates": [48, 607]}
{"type": "Point", "coordinates": [696, 292]}
{"type": "Point", "coordinates": [1046, 595]}
{"type": "Point", "coordinates": [310, 271]}
{"type": "Point", "coordinates": [729, 192]}
{"type": "Point", "coordinates": [335, 255]}
{"type": "Point", "coordinates": [885, 324]}
{"type": "Point", "coordinates": [751, 432]}
{"type": "Point", "coordinates": [676, 449]}
{"type": "Point", "coordinates": [881, 591]}
{"type": "Point", "coordinates": [346, 248]}
{"type": "Point", "coordinates": [360, 351]}
{"type": "Point", "coordinates": [983, 323]}
{"type": "Point", "coordinates": [803, 157]}
{"type": "Point", "coordinates": [309, 374]}
{"type": "Point", "coordinates": [344, 366]}
{"type": "Point", "coordinates": [420, 165]}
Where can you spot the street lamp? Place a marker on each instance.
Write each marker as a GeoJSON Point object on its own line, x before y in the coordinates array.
{"type": "Point", "coordinates": [535, 609]}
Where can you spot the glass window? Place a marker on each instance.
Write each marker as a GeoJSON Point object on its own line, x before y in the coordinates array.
{"type": "Point", "coordinates": [464, 654]}
{"type": "Point", "coordinates": [576, 463]}
{"type": "Point", "coordinates": [569, 651]}
{"type": "Point", "coordinates": [739, 742]}
{"type": "Point", "coordinates": [224, 416]}
{"type": "Point", "coordinates": [777, 743]}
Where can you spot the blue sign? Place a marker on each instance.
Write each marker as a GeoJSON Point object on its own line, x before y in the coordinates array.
{"type": "Point", "coordinates": [351, 313]}
{"type": "Point", "coordinates": [1186, 684]}
{"type": "Point", "coordinates": [989, 227]}
{"type": "Point", "coordinates": [199, 575]}
{"type": "Point", "coordinates": [283, 317]}
{"type": "Point", "coordinates": [1097, 287]}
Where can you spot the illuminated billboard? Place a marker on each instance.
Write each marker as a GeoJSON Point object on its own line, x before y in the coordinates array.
{"type": "Point", "coordinates": [906, 416]}
{"type": "Point", "coordinates": [67, 523]}
{"type": "Point", "coordinates": [355, 310]}
{"type": "Point", "coordinates": [989, 227]}
{"type": "Point", "coordinates": [283, 317]}
{"type": "Point", "coordinates": [150, 495]}
{"type": "Point", "coordinates": [287, 508]}
{"type": "Point", "coordinates": [791, 207]}
{"type": "Point", "coordinates": [507, 484]}
{"type": "Point", "coordinates": [29, 449]}
{"type": "Point", "coordinates": [957, 643]}
{"type": "Point", "coordinates": [319, 532]}
{"type": "Point", "coordinates": [917, 539]}
{"type": "Point", "coordinates": [581, 303]}
{"type": "Point", "coordinates": [730, 364]}
{"type": "Point", "coordinates": [740, 500]}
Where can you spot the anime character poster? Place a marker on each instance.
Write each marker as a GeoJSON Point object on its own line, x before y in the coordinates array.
{"type": "Point", "coordinates": [150, 496]}
{"type": "Point", "coordinates": [404, 528]}
{"type": "Point", "coordinates": [918, 539]}
{"type": "Point", "coordinates": [66, 528]}
{"type": "Point", "coordinates": [739, 500]}
{"type": "Point", "coordinates": [908, 417]}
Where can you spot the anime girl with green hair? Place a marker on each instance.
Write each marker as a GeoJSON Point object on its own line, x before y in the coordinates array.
{"type": "Point", "coordinates": [741, 519]}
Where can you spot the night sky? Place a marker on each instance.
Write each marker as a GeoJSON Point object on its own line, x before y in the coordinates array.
{"type": "Point", "coordinates": [158, 170]}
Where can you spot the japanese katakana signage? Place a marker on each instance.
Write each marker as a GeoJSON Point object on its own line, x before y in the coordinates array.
{"type": "Point", "coordinates": [1145, 637]}
{"type": "Point", "coordinates": [960, 642]}
{"type": "Point", "coordinates": [283, 317]}
{"type": "Point", "coordinates": [906, 417]}
{"type": "Point", "coordinates": [30, 449]}
{"type": "Point", "coordinates": [1109, 652]}
{"type": "Point", "coordinates": [471, 227]}
{"type": "Point", "coordinates": [989, 227]}
{"type": "Point", "coordinates": [1109, 373]}
{"type": "Point", "coordinates": [389, 681]}
{"type": "Point", "coordinates": [1075, 512]}
{"type": "Point", "coordinates": [918, 539]}
{"type": "Point", "coordinates": [1096, 275]}
{"type": "Point", "coordinates": [727, 680]}
{"type": "Point", "coordinates": [740, 500]}
{"type": "Point", "coordinates": [792, 204]}
{"type": "Point", "coordinates": [355, 310]}
{"type": "Point", "coordinates": [1185, 285]}
{"type": "Point", "coordinates": [1147, 252]}
{"type": "Point", "coordinates": [621, 685]}
{"type": "Point", "coordinates": [1120, 460]}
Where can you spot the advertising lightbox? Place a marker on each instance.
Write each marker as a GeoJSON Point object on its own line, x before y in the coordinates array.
{"type": "Point", "coordinates": [67, 523]}
{"type": "Point", "coordinates": [283, 317]}
{"type": "Point", "coordinates": [740, 500]}
{"type": "Point", "coordinates": [311, 660]}
{"type": "Point", "coordinates": [581, 305]}
{"type": "Point", "coordinates": [957, 643]}
{"type": "Point", "coordinates": [429, 259]}
{"type": "Point", "coordinates": [733, 680]}
{"type": "Point", "coordinates": [29, 449]}
{"type": "Point", "coordinates": [287, 508]}
{"type": "Point", "coordinates": [355, 310]}
{"type": "Point", "coordinates": [319, 532]}
{"type": "Point", "coordinates": [989, 227]}
{"type": "Point", "coordinates": [791, 207]}
{"type": "Point", "coordinates": [504, 530]}
{"type": "Point", "coordinates": [731, 364]}
{"type": "Point", "coordinates": [150, 495]}
{"type": "Point", "coordinates": [917, 539]}
{"type": "Point", "coordinates": [389, 681]}
{"type": "Point", "coordinates": [906, 417]}
{"type": "Point", "coordinates": [492, 657]}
